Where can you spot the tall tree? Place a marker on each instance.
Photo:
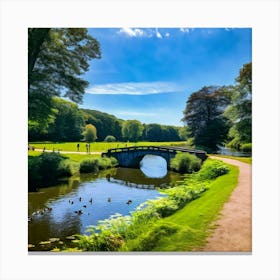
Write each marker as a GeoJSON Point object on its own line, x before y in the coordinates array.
{"type": "Point", "coordinates": [204, 117]}
{"type": "Point", "coordinates": [90, 133]}
{"type": "Point", "coordinates": [57, 59]}
{"type": "Point", "coordinates": [240, 110]}
{"type": "Point", "coordinates": [132, 130]}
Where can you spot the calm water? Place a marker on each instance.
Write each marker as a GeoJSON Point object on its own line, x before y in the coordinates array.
{"type": "Point", "coordinates": [97, 196]}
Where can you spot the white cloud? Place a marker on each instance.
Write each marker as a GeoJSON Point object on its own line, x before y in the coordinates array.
{"type": "Point", "coordinates": [136, 32]}
{"type": "Point", "coordinates": [158, 34]}
{"type": "Point", "coordinates": [142, 88]}
{"type": "Point", "coordinates": [185, 30]}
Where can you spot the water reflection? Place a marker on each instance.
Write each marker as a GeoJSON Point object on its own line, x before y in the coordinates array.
{"type": "Point", "coordinates": [153, 166]}
{"type": "Point", "coordinates": [89, 194]}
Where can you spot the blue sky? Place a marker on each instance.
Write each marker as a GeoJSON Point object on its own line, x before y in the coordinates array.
{"type": "Point", "coordinates": [148, 73]}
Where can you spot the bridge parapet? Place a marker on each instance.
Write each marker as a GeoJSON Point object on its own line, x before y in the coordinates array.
{"type": "Point", "coordinates": [131, 156]}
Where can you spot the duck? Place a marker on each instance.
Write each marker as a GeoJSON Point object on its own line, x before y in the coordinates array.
{"type": "Point", "coordinates": [109, 199]}
{"type": "Point", "coordinates": [79, 212]}
{"type": "Point", "coordinates": [129, 202]}
{"type": "Point", "coordinates": [84, 206]}
{"type": "Point", "coordinates": [90, 200]}
{"type": "Point", "coordinates": [80, 199]}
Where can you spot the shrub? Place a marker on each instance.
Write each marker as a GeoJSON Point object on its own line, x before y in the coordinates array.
{"type": "Point", "coordinates": [212, 169]}
{"type": "Point", "coordinates": [185, 163]}
{"type": "Point", "coordinates": [44, 170]}
{"type": "Point", "coordinates": [89, 165]}
{"type": "Point", "coordinates": [67, 168]}
{"type": "Point", "coordinates": [247, 148]}
{"type": "Point", "coordinates": [110, 138]}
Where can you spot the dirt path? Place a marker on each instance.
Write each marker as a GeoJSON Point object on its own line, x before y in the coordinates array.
{"type": "Point", "coordinates": [234, 231]}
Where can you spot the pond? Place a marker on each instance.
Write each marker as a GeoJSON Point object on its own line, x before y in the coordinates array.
{"type": "Point", "coordinates": [70, 207]}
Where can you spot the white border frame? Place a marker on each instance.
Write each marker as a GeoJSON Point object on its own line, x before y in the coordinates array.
{"type": "Point", "coordinates": [17, 16]}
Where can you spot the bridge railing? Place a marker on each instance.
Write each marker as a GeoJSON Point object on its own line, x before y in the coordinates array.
{"type": "Point", "coordinates": [154, 148]}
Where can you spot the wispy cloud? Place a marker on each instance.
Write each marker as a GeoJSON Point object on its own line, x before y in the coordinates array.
{"type": "Point", "coordinates": [142, 88]}
{"type": "Point", "coordinates": [141, 32]}
{"type": "Point", "coordinates": [185, 30]}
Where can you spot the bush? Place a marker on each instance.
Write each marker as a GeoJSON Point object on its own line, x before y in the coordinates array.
{"type": "Point", "coordinates": [247, 148]}
{"type": "Point", "coordinates": [212, 169]}
{"type": "Point", "coordinates": [67, 168]}
{"type": "Point", "coordinates": [89, 165]}
{"type": "Point", "coordinates": [110, 138]}
{"type": "Point", "coordinates": [185, 163]}
{"type": "Point", "coordinates": [44, 170]}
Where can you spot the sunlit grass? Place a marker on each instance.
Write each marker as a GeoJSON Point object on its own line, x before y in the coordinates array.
{"type": "Point", "coordinates": [97, 146]}
{"type": "Point", "coordinates": [243, 159]}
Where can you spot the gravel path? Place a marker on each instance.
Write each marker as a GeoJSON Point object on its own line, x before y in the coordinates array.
{"type": "Point", "coordinates": [234, 231]}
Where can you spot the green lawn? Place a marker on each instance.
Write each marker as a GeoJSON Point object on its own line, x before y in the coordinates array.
{"type": "Point", "coordinates": [97, 146]}
{"type": "Point", "coordinates": [243, 159]}
{"type": "Point", "coordinates": [194, 221]}
{"type": "Point", "coordinates": [74, 157]}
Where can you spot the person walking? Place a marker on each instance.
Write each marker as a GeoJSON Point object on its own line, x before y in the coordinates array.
{"type": "Point", "coordinates": [78, 147]}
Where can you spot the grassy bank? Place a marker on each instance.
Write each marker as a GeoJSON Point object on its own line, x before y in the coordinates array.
{"type": "Point", "coordinates": [243, 159]}
{"type": "Point", "coordinates": [98, 146]}
{"type": "Point", "coordinates": [180, 221]}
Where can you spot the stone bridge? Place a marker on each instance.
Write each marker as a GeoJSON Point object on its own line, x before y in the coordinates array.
{"type": "Point", "coordinates": [131, 156]}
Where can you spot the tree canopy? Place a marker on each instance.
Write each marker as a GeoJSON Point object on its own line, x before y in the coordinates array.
{"type": "Point", "coordinates": [204, 117]}
{"type": "Point", "coordinates": [240, 110]}
{"type": "Point", "coordinates": [132, 130]}
{"type": "Point", "coordinates": [57, 59]}
{"type": "Point", "coordinates": [90, 133]}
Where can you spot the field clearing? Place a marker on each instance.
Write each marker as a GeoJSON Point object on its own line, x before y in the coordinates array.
{"type": "Point", "coordinates": [98, 146]}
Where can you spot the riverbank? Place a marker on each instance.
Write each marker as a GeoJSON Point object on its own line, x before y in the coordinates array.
{"type": "Point", "coordinates": [179, 222]}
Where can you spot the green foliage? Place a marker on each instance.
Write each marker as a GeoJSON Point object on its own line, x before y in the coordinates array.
{"type": "Point", "coordinates": [68, 123]}
{"type": "Point", "coordinates": [105, 124]}
{"type": "Point", "coordinates": [156, 132]}
{"type": "Point", "coordinates": [89, 165]}
{"type": "Point", "coordinates": [57, 59]}
{"type": "Point", "coordinates": [247, 148]}
{"type": "Point", "coordinates": [44, 170]}
{"type": "Point", "coordinates": [204, 117]}
{"type": "Point", "coordinates": [185, 163]}
{"type": "Point", "coordinates": [90, 133]}
{"type": "Point", "coordinates": [132, 130]}
{"type": "Point", "coordinates": [212, 169]}
{"type": "Point", "coordinates": [240, 110]}
{"type": "Point", "coordinates": [150, 238]}
{"type": "Point", "coordinates": [67, 168]}
{"type": "Point", "coordinates": [110, 138]}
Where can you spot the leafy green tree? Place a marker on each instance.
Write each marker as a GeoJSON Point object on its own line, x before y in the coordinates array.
{"type": "Point", "coordinates": [69, 122]}
{"type": "Point", "coordinates": [240, 110]}
{"type": "Point", "coordinates": [153, 132]}
{"type": "Point", "coordinates": [105, 124]}
{"type": "Point", "coordinates": [132, 130]}
{"type": "Point", "coordinates": [57, 60]}
{"type": "Point", "coordinates": [90, 133]}
{"type": "Point", "coordinates": [204, 117]}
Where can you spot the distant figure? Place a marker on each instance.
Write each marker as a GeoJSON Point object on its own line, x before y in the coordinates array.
{"type": "Point", "coordinates": [90, 200]}
{"type": "Point", "coordinates": [109, 199]}
{"type": "Point", "coordinates": [87, 147]}
{"type": "Point", "coordinates": [44, 149]}
{"type": "Point", "coordinates": [108, 177]}
{"type": "Point", "coordinates": [80, 199]}
{"type": "Point", "coordinates": [78, 147]}
{"type": "Point", "coordinates": [53, 149]}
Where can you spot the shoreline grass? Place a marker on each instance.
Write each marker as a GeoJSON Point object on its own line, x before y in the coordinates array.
{"type": "Point", "coordinates": [243, 159]}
